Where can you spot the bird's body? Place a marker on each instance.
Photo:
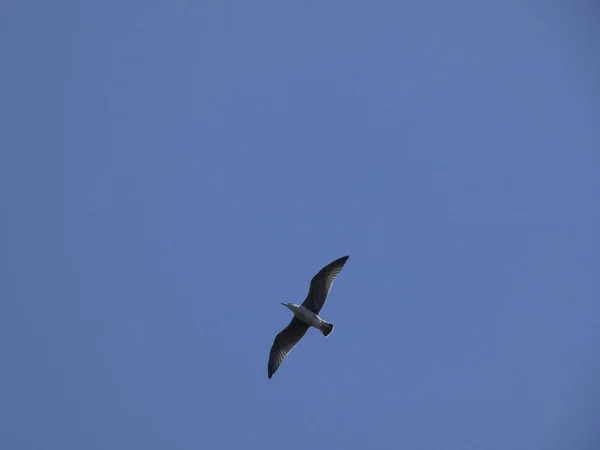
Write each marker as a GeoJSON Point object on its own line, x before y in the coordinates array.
{"type": "Point", "coordinates": [306, 315]}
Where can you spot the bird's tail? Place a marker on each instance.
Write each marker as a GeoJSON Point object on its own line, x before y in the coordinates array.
{"type": "Point", "coordinates": [326, 328]}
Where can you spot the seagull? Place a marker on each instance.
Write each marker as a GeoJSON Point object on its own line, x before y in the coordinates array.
{"type": "Point", "coordinates": [306, 315]}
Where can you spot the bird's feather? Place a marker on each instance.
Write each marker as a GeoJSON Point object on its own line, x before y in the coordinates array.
{"type": "Point", "coordinates": [285, 342]}
{"type": "Point", "coordinates": [321, 284]}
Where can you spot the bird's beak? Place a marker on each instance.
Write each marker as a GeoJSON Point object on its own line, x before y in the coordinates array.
{"type": "Point", "coordinates": [283, 304]}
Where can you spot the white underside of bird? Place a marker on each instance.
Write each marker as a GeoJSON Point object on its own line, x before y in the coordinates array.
{"type": "Point", "coordinates": [306, 315]}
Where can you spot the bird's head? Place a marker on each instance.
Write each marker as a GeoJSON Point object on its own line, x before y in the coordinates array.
{"type": "Point", "coordinates": [288, 305]}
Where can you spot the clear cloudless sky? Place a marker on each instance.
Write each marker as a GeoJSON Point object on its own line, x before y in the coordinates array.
{"type": "Point", "coordinates": [171, 171]}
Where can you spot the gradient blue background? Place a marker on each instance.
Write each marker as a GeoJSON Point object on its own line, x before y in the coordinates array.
{"type": "Point", "coordinates": [173, 170]}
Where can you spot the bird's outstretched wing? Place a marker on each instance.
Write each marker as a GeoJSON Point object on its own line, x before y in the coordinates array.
{"type": "Point", "coordinates": [284, 342]}
{"type": "Point", "coordinates": [321, 284]}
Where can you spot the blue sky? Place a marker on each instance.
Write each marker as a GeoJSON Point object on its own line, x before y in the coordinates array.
{"type": "Point", "coordinates": [171, 171]}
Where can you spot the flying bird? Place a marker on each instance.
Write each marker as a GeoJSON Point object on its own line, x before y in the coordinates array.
{"type": "Point", "coordinates": [306, 315]}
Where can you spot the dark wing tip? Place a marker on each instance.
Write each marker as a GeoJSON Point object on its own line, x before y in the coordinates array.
{"type": "Point", "coordinates": [340, 261]}
{"type": "Point", "coordinates": [272, 368]}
